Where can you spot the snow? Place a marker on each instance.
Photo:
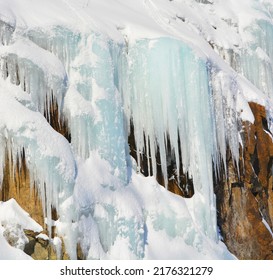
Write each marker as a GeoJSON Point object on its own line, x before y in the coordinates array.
{"type": "Point", "coordinates": [167, 67]}
{"type": "Point", "coordinates": [13, 220]}
{"type": "Point", "coordinates": [42, 236]}
{"type": "Point", "coordinates": [138, 217]}
{"type": "Point", "coordinates": [11, 211]}
{"type": "Point", "coordinates": [10, 253]}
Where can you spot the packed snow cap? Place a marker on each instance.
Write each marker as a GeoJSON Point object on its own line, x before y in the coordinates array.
{"type": "Point", "coordinates": [163, 71]}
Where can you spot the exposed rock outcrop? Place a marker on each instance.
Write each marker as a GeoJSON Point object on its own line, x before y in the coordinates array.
{"type": "Point", "coordinates": [41, 249]}
{"type": "Point", "coordinates": [244, 198]}
{"type": "Point", "coordinates": [16, 184]}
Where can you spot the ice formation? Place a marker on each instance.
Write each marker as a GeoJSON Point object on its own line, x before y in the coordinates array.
{"type": "Point", "coordinates": [156, 65]}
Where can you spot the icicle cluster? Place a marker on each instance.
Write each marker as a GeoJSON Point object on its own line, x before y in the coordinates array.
{"type": "Point", "coordinates": [36, 71]}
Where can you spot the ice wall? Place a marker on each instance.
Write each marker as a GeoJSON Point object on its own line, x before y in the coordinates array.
{"type": "Point", "coordinates": [254, 59]}
{"type": "Point", "coordinates": [92, 104]}
{"type": "Point", "coordinates": [98, 124]}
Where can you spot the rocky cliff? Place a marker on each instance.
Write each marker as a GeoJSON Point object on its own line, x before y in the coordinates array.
{"type": "Point", "coordinates": [244, 197]}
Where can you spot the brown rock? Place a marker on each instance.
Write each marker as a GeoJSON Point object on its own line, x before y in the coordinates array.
{"type": "Point", "coordinates": [40, 249]}
{"type": "Point", "coordinates": [17, 185]}
{"type": "Point", "coordinates": [244, 201]}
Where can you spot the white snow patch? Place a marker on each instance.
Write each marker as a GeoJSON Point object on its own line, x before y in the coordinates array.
{"type": "Point", "coordinates": [12, 213]}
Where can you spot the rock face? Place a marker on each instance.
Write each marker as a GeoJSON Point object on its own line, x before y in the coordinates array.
{"type": "Point", "coordinates": [41, 249]}
{"type": "Point", "coordinates": [16, 184]}
{"type": "Point", "coordinates": [244, 198]}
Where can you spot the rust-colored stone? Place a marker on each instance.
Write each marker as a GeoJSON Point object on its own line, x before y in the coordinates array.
{"type": "Point", "coordinates": [17, 185]}
{"type": "Point", "coordinates": [244, 202]}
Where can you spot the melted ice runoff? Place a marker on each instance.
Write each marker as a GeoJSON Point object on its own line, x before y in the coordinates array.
{"type": "Point", "coordinates": [165, 68]}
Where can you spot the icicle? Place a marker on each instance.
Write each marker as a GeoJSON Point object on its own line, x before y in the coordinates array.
{"type": "Point", "coordinates": [59, 40]}
{"type": "Point", "coordinates": [38, 72]}
{"type": "Point", "coordinates": [6, 31]}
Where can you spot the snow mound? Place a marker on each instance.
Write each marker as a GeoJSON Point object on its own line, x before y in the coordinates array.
{"type": "Point", "coordinates": [13, 220]}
